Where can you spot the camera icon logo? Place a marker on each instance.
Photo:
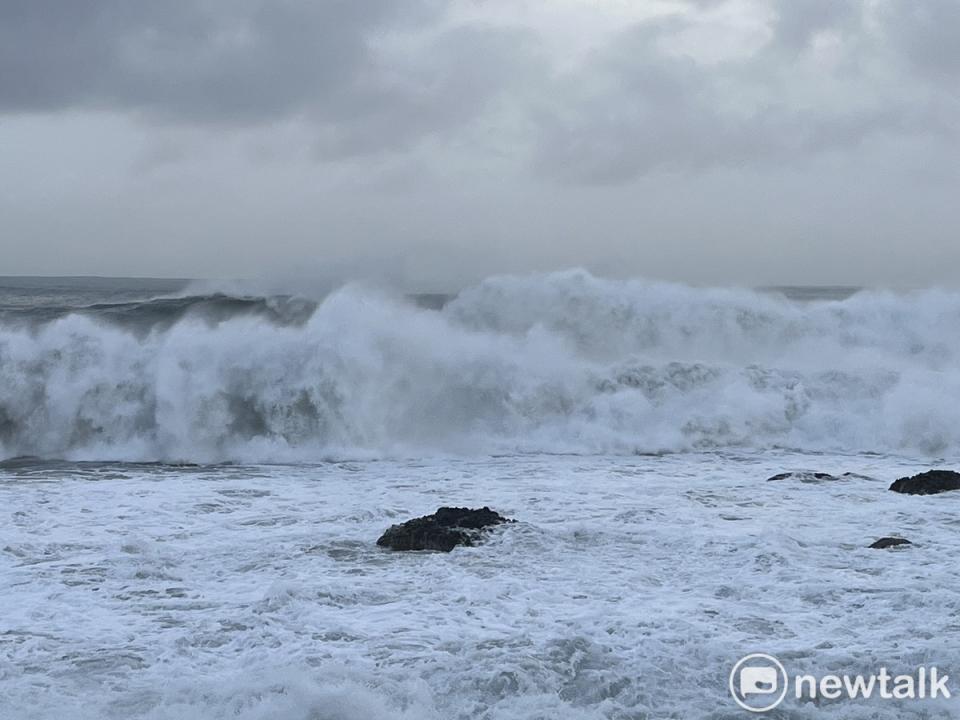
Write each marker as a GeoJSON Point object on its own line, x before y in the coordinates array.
{"type": "Point", "coordinates": [758, 682]}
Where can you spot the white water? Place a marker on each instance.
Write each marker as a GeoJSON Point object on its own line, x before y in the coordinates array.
{"type": "Point", "coordinates": [627, 589]}
{"type": "Point", "coordinates": [550, 363]}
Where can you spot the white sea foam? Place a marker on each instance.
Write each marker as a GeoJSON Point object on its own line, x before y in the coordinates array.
{"type": "Point", "coordinates": [627, 589]}
{"type": "Point", "coordinates": [563, 362]}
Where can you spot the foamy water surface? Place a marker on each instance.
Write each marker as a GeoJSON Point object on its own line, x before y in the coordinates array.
{"type": "Point", "coordinates": [627, 589]}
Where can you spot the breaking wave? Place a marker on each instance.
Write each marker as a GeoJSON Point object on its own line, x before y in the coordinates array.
{"type": "Point", "coordinates": [562, 362]}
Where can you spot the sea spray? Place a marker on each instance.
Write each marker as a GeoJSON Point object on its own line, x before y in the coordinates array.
{"type": "Point", "coordinates": [561, 362]}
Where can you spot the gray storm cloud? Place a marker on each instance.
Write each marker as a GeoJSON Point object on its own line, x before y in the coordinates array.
{"type": "Point", "coordinates": [636, 106]}
{"type": "Point", "coordinates": [631, 106]}
{"type": "Point", "coordinates": [189, 61]}
{"type": "Point", "coordinates": [226, 63]}
{"type": "Point", "coordinates": [483, 120]}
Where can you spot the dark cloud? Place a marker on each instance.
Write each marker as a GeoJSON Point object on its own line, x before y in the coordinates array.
{"type": "Point", "coordinates": [373, 76]}
{"type": "Point", "coordinates": [194, 60]}
{"type": "Point", "coordinates": [249, 62]}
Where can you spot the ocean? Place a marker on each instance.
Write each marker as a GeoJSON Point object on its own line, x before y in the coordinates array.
{"type": "Point", "coordinates": [193, 477]}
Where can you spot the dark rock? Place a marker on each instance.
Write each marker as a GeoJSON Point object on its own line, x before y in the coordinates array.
{"type": "Point", "coordinates": [857, 476]}
{"type": "Point", "coordinates": [928, 483]}
{"type": "Point", "coordinates": [804, 477]}
{"type": "Point", "coordinates": [817, 477]}
{"type": "Point", "coordinates": [444, 530]}
{"type": "Point", "coordinates": [886, 542]}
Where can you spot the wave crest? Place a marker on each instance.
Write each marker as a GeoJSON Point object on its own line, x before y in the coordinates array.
{"type": "Point", "coordinates": [562, 362]}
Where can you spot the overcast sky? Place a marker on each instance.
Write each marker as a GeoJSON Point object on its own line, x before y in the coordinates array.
{"type": "Point", "coordinates": [709, 141]}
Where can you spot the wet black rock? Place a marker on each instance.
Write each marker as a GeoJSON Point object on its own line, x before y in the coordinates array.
{"type": "Point", "coordinates": [444, 530]}
{"type": "Point", "coordinates": [928, 483]}
{"type": "Point", "coordinates": [816, 477]}
{"type": "Point", "coordinates": [886, 542]}
{"type": "Point", "coordinates": [804, 477]}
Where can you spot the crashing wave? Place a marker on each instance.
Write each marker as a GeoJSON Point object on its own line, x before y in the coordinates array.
{"type": "Point", "coordinates": [562, 362]}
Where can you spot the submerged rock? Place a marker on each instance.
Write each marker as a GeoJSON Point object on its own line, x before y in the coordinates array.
{"type": "Point", "coordinates": [816, 477]}
{"type": "Point", "coordinates": [804, 477]}
{"type": "Point", "coordinates": [444, 530]}
{"type": "Point", "coordinates": [928, 483]}
{"type": "Point", "coordinates": [886, 542]}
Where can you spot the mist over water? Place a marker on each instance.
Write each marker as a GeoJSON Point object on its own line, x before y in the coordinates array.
{"type": "Point", "coordinates": [560, 363]}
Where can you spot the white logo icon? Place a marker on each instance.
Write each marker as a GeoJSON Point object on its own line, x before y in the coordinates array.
{"type": "Point", "coordinates": [758, 682]}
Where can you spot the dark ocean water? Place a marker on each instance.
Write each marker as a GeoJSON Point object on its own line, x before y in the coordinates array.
{"type": "Point", "coordinates": [26, 292]}
{"type": "Point", "coordinates": [34, 292]}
